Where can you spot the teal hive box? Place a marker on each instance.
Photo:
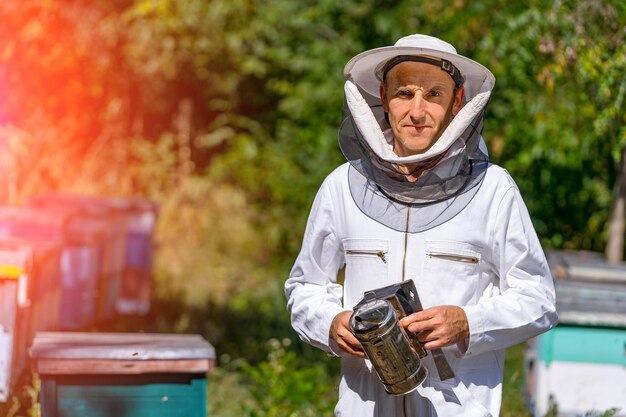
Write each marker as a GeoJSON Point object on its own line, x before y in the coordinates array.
{"type": "Point", "coordinates": [580, 365]}
{"type": "Point", "coordinates": [122, 374]}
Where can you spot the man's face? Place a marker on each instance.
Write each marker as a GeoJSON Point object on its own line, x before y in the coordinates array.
{"type": "Point", "coordinates": [421, 101]}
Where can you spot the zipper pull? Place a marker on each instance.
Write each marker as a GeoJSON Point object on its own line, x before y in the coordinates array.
{"type": "Point", "coordinates": [453, 257]}
{"type": "Point", "coordinates": [381, 255]}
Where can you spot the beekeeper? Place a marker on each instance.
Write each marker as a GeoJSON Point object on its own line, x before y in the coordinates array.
{"type": "Point", "coordinates": [419, 200]}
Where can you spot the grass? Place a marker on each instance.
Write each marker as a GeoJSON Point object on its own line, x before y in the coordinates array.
{"type": "Point", "coordinates": [513, 402]}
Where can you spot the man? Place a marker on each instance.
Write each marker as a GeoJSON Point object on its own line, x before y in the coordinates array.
{"type": "Point", "coordinates": [419, 200]}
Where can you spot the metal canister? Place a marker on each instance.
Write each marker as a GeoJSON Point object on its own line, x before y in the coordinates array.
{"type": "Point", "coordinates": [386, 344]}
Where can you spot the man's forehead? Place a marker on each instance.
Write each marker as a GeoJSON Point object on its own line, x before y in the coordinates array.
{"type": "Point", "coordinates": [418, 73]}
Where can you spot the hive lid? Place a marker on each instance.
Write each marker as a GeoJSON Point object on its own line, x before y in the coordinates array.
{"type": "Point", "coordinates": [589, 290]}
{"type": "Point", "coordinates": [120, 346]}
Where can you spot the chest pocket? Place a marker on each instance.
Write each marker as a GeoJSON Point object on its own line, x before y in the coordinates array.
{"type": "Point", "coordinates": [367, 263]}
{"type": "Point", "coordinates": [452, 270]}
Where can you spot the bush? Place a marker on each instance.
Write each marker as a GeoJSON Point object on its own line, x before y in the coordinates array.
{"type": "Point", "coordinates": [285, 386]}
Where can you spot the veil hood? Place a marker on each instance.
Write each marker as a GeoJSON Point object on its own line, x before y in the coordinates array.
{"type": "Point", "coordinates": [377, 181]}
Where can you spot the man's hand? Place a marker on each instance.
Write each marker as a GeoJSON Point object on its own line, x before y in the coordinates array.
{"type": "Point", "coordinates": [438, 326]}
{"type": "Point", "coordinates": [340, 333]}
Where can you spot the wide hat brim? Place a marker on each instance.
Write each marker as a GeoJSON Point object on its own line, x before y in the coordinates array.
{"type": "Point", "coordinates": [362, 68]}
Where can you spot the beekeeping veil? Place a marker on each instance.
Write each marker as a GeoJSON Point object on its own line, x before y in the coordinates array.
{"type": "Point", "coordinates": [377, 175]}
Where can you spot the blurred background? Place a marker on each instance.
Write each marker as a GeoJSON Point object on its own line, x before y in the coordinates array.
{"type": "Point", "coordinates": [225, 113]}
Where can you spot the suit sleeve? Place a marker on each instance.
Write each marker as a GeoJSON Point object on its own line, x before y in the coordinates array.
{"type": "Point", "coordinates": [525, 305]}
{"type": "Point", "coordinates": [313, 295]}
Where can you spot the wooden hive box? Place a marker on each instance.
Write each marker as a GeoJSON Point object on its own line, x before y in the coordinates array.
{"type": "Point", "coordinates": [122, 374]}
{"type": "Point", "coordinates": [580, 364]}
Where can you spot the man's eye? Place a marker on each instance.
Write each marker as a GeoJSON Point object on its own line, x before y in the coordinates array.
{"type": "Point", "coordinates": [404, 93]}
{"type": "Point", "coordinates": [435, 93]}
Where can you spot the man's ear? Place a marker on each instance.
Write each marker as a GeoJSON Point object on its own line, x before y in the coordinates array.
{"type": "Point", "coordinates": [458, 100]}
{"type": "Point", "coordinates": [383, 97]}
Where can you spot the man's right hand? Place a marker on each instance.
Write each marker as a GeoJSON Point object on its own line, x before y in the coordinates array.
{"type": "Point", "coordinates": [341, 334]}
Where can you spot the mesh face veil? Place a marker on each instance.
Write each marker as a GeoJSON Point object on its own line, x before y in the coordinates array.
{"type": "Point", "coordinates": [453, 167]}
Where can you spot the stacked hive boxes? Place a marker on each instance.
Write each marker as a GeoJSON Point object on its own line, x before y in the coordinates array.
{"type": "Point", "coordinates": [579, 367]}
{"type": "Point", "coordinates": [67, 262]}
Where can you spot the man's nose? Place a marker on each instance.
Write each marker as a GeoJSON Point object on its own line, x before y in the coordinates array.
{"type": "Point", "coordinates": [417, 106]}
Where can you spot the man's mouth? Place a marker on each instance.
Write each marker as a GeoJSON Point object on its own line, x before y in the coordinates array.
{"type": "Point", "coordinates": [417, 127]}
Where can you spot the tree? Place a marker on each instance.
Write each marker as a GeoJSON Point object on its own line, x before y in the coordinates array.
{"type": "Point", "coordinates": [559, 112]}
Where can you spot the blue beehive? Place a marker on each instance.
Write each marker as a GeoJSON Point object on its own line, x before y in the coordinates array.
{"type": "Point", "coordinates": [139, 216]}
{"type": "Point", "coordinates": [137, 282]}
{"type": "Point", "coordinates": [110, 226]}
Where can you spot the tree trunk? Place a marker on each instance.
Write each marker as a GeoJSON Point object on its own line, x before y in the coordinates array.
{"type": "Point", "coordinates": [615, 243]}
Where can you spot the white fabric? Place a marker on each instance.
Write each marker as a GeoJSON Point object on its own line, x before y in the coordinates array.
{"type": "Point", "coordinates": [361, 68]}
{"type": "Point", "coordinates": [508, 296]}
{"type": "Point", "coordinates": [366, 122]}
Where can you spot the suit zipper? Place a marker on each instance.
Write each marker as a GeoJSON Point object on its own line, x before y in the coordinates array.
{"type": "Point", "coordinates": [454, 257]}
{"type": "Point", "coordinates": [406, 242]}
{"type": "Point", "coordinates": [381, 254]}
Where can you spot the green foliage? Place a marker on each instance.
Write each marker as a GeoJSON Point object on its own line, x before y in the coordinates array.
{"type": "Point", "coordinates": [553, 407]}
{"type": "Point", "coordinates": [197, 104]}
{"type": "Point", "coordinates": [226, 113]}
{"type": "Point", "coordinates": [281, 385]}
{"type": "Point", "coordinates": [227, 391]}
{"type": "Point", "coordinates": [284, 386]}
{"type": "Point", "coordinates": [560, 113]}
{"type": "Point", "coordinates": [553, 410]}
{"type": "Point", "coordinates": [25, 401]}
{"type": "Point", "coordinates": [513, 401]}
{"type": "Point", "coordinates": [606, 413]}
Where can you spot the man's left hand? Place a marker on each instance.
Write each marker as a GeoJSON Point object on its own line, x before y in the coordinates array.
{"type": "Point", "coordinates": [438, 326]}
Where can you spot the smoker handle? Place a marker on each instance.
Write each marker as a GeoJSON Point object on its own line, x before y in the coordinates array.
{"type": "Point", "coordinates": [443, 367]}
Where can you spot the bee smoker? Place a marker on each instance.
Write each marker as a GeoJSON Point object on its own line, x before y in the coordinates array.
{"type": "Point", "coordinates": [395, 355]}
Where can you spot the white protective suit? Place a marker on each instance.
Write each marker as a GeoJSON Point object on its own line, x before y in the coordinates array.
{"type": "Point", "coordinates": [508, 296]}
{"type": "Point", "coordinates": [486, 259]}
